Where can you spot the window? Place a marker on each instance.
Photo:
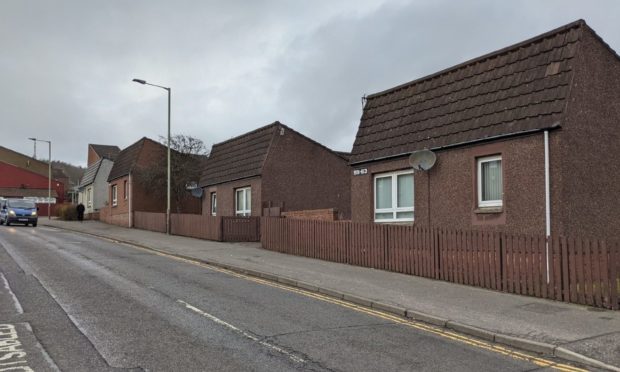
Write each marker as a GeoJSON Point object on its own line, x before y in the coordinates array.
{"type": "Point", "coordinates": [394, 197]}
{"type": "Point", "coordinates": [213, 204]}
{"type": "Point", "coordinates": [243, 201]}
{"type": "Point", "coordinates": [125, 190]}
{"type": "Point", "coordinates": [114, 199]}
{"type": "Point", "coordinates": [490, 186]}
{"type": "Point", "coordinates": [89, 201]}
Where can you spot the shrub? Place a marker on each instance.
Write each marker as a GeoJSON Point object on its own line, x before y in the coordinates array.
{"type": "Point", "coordinates": [67, 212]}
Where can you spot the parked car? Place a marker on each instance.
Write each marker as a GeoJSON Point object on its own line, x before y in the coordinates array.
{"type": "Point", "coordinates": [18, 211]}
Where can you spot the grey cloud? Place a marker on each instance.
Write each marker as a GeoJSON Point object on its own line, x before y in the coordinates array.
{"type": "Point", "coordinates": [66, 66]}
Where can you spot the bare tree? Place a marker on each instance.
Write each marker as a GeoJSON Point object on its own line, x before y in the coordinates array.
{"type": "Point", "coordinates": [187, 160]}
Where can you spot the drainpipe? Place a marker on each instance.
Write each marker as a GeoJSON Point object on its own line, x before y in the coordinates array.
{"type": "Point", "coordinates": [130, 195]}
{"type": "Point", "coordinates": [547, 201]}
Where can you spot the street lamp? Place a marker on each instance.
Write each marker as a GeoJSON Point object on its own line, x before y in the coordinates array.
{"type": "Point", "coordinates": [34, 140]}
{"type": "Point", "coordinates": [143, 82]}
{"type": "Point", "coordinates": [49, 175]}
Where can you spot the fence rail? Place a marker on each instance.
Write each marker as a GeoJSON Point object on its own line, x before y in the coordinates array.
{"type": "Point", "coordinates": [241, 229]}
{"type": "Point", "coordinates": [229, 229]}
{"type": "Point", "coordinates": [196, 226]}
{"type": "Point", "coordinates": [150, 221]}
{"type": "Point", "coordinates": [579, 271]}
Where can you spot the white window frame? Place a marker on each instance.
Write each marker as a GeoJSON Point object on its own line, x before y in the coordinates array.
{"type": "Point", "coordinates": [214, 203]}
{"type": "Point", "coordinates": [488, 203]}
{"type": "Point", "coordinates": [89, 200]}
{"type": "Point", "coordinates": [248, 208]}
{"type": "Point", "coordinates": [114, 195]}
{"type": "Point", "coordinates": [394, 209]}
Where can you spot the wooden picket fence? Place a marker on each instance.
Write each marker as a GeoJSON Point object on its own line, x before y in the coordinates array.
{"type": "Point", "coordinates": [240, 229]}
{"type": "Point", "coordinates": [579, 271]}
{"type": "Point", "coordinates": [218, 228]}
{"type": "Point", "coordinates": [196, 226]}
{"type": "Point", "coordinates": [150, 221]}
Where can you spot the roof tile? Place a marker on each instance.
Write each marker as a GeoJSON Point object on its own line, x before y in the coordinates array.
{"type": "Point", "coordinates": [505, 92]}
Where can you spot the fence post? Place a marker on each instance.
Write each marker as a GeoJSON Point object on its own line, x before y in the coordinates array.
{"type": "Point", "coordinates": [614, 258]}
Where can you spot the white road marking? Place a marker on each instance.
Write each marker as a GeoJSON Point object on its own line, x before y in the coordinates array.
{"type": "Point", "coordinates": [245, 334]}
{"type": "Point", "coordinates": [18, 306]}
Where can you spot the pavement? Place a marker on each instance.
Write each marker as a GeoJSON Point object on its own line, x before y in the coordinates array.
{"type": "Point", "coordinates": [586, 335]}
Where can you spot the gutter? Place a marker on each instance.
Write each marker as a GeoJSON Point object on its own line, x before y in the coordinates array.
{"type": "Point", "coordinates": [547, 200]}
{"type": "Point", "coordinates": [129, 187]}
{"type": "Point", "coordinates": [486, 139]}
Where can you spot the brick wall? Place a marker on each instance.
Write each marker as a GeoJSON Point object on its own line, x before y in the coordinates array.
{"type": "Point", "coordinates": [330, 214]}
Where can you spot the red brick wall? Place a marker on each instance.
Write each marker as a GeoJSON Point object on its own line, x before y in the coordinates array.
{"type": "Point", "coordinates": [92, 156]}
{"type": "Point", "coordinates": [585, 151]}
{"type": "Point", "coordinates": [315, 214]}
{"type": "Point", "coordinates": [300, 174]}
{"type": "Point", "coordinates": [226, 197]}
{"type": "Point", "coordinates": [453, 188]}
{"type": "Point", "coordinates": [118, 214]}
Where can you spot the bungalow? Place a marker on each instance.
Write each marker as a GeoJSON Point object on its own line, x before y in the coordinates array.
{"type": "Point", "coordinates": [527, 139]}
{"type": "Point", "coordinates": [271, 170]}
{"type": "Point", "coordinates": [93, 187]}
{"type": "Point", "coordinates": [129, 190]}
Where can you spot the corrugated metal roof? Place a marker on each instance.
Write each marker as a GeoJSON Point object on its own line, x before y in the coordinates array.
{"type": "Point", "coordinates": [16, 192]}
{"type": "Point", "coordinates": [517, 89]}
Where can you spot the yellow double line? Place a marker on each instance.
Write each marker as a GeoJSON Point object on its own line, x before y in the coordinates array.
{"type": "Point", "coordinates": [387, 316]}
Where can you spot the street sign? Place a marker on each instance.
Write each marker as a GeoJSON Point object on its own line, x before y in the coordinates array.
{"type": "Point", "coordinates": [41, 200]}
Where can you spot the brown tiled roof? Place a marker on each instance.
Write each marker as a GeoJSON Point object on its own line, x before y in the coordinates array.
{"type": "Point", "coordinates": [126, 160]}
{"type": "Point", "coordinates": [518, 89]}
{"type": "Point", "coordinates": [239, 157]}
{"type": "Point", "coordinates": [106, 151]}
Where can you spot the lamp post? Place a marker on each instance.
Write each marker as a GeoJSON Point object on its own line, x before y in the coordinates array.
{"type": "Point", "coordinates": [49, 175]}
{"type": "Point", "coordinates": [34, 140]}
{"type": "Point", "coordinates": [143, 82]}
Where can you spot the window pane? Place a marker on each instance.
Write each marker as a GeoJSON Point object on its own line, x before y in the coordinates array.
{"type": "Point", "coordinates": [384, 216]}
{"type": "Point", "coordinates": [248, 199]}
{"type": "Point", "coordinates": [383, 193]}
{"type": "Point", "coordinates": [405, 191]}
{"type": "Point", "coordinates": [240, 200]}
{"type": "Point", "coordinates": [404, 215]}
{"type": "Point", "coordinates": [491, 180]}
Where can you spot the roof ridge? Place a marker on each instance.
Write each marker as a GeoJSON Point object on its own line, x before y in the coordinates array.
{"type": "Point", "coordinates": [247, 133]}
{"type": "Point", "coordinates": [566, 27]}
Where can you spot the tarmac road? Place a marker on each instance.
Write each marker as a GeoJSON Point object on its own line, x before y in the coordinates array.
{"type": "Point", "coordinates": [73, 302]}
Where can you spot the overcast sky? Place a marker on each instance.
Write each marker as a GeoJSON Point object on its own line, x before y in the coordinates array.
{"type": "Point", "coordinates": [66, 66]}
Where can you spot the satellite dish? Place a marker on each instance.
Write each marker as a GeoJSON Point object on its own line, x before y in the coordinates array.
{"type": "Point", "coordinates": [197, 192]}
{"type": "Point", "coordinates": [422, 160]}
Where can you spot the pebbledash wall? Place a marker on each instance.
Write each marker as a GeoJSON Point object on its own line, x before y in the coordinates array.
{"type": "Point", "coordinates": [584, 167]}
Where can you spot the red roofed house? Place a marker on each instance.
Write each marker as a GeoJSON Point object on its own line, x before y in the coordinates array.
{"type": "Point", "coordinates": [275, 167]}
{"type": "Point", "coordinates": [26, 177]}
{"type": "Point", "coordinates": [127, 191]}
{"type": "Point", "coordinates": [493, 123]}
